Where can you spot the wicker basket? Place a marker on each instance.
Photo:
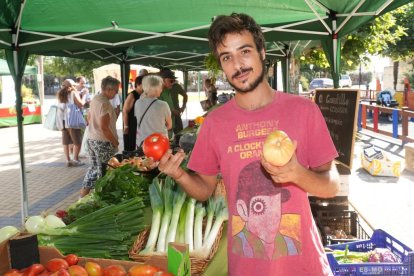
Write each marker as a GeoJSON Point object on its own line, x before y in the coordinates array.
{"type": "Point", "coordinates": [198, 265]}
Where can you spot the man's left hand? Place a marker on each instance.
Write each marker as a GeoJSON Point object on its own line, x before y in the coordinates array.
{"type": "Point", "coordinates": [286, 173]}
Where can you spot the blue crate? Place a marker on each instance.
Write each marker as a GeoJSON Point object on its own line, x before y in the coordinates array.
{"type": "Point", "coordinates": [379, 239]}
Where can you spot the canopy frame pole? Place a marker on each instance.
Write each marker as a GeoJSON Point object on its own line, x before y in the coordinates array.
{"type": "Point", "coordinates": [20, 118]}
{"type": "Point", "coordinates": [319, 17]}
{"type": "Point", "coordinates": [350, 16]}
{"type": "Point", "coordinates": [385, 5]}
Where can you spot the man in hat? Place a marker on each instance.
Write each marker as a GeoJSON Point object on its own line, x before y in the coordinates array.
{"type": "Point", "coordinates": [168, 81]}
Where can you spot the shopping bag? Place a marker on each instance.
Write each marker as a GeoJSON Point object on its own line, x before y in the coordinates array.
{"type": "Point", "coordinates": [85, 146]}
{"type": "Point", "coordinates": [206, 104]}
{"type": "Point", "coordinates": [50, 121]}
{"type": "Point", "coordinates": [74, 117]}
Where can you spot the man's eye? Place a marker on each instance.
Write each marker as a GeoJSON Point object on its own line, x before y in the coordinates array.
{"type": "Point", "coordinates": [225, 58]}
{"type": "Point", "coordinates": [258, 206]}
{"type": "Point", "coordinates": [245, 51]}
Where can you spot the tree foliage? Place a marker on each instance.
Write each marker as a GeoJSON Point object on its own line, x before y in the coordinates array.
{"type": "Point", "coordinates": [64, 66]}
{"type": "Point", "coordinates": [385, 35]}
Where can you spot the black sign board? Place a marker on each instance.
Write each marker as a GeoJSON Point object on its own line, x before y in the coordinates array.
{"type": "Point", "coordinates": [339, 107]}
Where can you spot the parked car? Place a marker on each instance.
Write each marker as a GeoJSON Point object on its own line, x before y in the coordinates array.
{"type": "Point", "coordinates": [320, 83]}
{"type": "Point", "coordinates": [345, 81]}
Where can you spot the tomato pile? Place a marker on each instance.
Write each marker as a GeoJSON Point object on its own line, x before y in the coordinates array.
{"type": "Point", "coordinates": [68, 266]}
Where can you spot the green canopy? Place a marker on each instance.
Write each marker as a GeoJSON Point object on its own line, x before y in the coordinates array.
{"type": "Point", "coordinates": [168, 33]}
{"type": "Point", "coordinates": [5, 71]}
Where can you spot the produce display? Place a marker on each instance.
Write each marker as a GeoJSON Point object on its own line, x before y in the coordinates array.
{"type": "Point", "coordinates": [69, 266]}
{"type": "Point", "coordinates": [378, 255]}
{"type": "Point", "coordinates": [114, 187]}
{"type": "Point", "coordinates": [278, 148]}
{"type": "Point", "coordinates": [139, 163]}
{"type": "Point", "coordinates": [106, 233]}
{"type": "Point", "coordinates": [177, 217]}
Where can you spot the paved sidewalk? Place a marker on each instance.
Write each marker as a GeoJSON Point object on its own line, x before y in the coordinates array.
{"type": "Point", "coordinates": [385, 202]}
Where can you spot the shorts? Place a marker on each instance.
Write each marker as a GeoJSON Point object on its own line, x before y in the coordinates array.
{"type": "Point", "coordinates": [72, 136]}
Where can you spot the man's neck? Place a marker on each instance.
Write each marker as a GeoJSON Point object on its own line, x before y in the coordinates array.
{"type": "Point", "coordinates": [258, 98]}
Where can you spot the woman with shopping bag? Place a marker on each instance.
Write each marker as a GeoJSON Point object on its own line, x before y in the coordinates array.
{"type": "Point", "coordinates": [69, 121]}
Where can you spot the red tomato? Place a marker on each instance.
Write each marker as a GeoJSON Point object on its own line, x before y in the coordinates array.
{"type": "Point", "coordinates": [142, 270]}
{"type": "Point", "coordinates": [33, 270]}
{"type": "Point", "coordinates": [163, 273]}
{"type": "Point", "coordinates": [114, 270]}
{"type": "Point", "coordinates": [93, 269]}
{"type": "Point", "coordinates": [56, 264]}
{"type": "Point", "coordinates": [77, 270]}
{"type": "Point", "coordinates": [13, 272]}
{"type": "Point", "coordinates": [72, 259]}
{"type": "Point", "coordinates": [155, 146]}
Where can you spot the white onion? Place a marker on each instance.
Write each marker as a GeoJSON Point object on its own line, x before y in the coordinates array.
{"type": "Point", "coordinates": [53, 221]}
{"type": "Point", "coordinates": [7, 231]}
{"type": "Point", "coordinates": [35, 224]}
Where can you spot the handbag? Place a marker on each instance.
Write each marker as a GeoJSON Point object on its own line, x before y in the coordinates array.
{"type": "Point", "coordinates": [74, 117]}
{"type": "Point", "coordinates": [206, 104]}
{"type": "Point", "coordinates": [50, 121]}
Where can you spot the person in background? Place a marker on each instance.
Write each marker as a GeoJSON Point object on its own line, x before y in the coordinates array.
{"type": "Point", "coordinates": [83, 91]}
{"type": "Point", "coordinates": [271, 230]}
{"type": "Point", "coordinates": [103, 139]}
{"type": "Point", "coordinates": [211, 91]}
{"type": "Point", "coordinates": [143, 72]}
{"type": "Point", "coordinates": [169, 79]}
{"type": "Point", "coordinates": [116, 104]}
{"type": "Point", "coordinates": [128, 116]}
{"type": "Point", "coordinates": [152, 114]}
{"type": "Point", "coordinates": [68, 95]}
{"type": "Point", "coordinates": [175, 91]}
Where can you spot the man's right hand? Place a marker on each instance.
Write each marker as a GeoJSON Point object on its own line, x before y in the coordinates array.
{"type": "Point", "coordinates": [170, 163]}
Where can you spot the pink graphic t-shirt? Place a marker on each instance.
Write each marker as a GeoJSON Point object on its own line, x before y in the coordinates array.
{"type": "Point", "coordinates": [270, 229]}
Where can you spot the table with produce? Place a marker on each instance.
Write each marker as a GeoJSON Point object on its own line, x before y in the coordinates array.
{"type": "Point", "coordinates": [130, 218]}
{"type": "Point", "coordinates": [136, 217]}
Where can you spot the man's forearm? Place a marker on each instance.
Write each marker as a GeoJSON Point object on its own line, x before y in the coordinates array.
{"type": "Point", "coordinates": [194, 185]}
{"type": "Point", "coordinates": [323, 184]}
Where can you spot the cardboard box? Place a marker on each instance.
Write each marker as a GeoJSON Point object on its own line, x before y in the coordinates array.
{"type": "Point", "coordinates": [179, 259]}
{"type": "Point", "coordinates": [377, 163]}
{"type": "Point", "coordinates": [47, 253]}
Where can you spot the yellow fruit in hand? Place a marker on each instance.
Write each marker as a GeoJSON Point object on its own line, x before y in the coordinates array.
{"type": "Point", "coordinates": [278, 148]}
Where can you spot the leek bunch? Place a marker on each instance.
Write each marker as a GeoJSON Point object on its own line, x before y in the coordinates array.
{"type": "Point", "coordinates": [179, 218]}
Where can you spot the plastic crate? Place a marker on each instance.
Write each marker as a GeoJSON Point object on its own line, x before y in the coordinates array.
{"type": "Point", "coordinates": [380, 239]}
{"type": "Point", "coordinates": [345, 220]}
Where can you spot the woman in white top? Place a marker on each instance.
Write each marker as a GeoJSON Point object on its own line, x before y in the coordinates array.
{"type": "Point", "coordinates": [68, 95]}
{"type": "Point", "coordinates": [152, 115]}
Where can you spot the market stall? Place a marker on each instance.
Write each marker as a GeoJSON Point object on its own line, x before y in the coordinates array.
{"type": "Point", "coordinates": [32, 112]}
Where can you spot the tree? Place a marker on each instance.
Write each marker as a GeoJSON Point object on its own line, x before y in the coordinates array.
{"type": "Point", "coordinates": [404, 47]}
{"type": "Point", "coordinates": [68, 67]}
{"type": "Point", "coordinates": [373, 38]}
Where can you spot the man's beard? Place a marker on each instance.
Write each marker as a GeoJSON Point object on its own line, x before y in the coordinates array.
{"type": "Point", "coordinates": [253, 85]}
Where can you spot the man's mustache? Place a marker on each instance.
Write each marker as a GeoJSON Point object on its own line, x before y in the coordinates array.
{"type": "Point", "coordinates": [241, 71]}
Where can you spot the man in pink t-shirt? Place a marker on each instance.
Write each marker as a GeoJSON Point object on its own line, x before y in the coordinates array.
{"type": "Point", "coordinates": [270, 230]}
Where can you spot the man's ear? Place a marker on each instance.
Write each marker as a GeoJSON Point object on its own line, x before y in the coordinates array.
{"type": "Point", "coordinates": [242, 210]}
{"type": "Point", "coordinates": [263, 54]}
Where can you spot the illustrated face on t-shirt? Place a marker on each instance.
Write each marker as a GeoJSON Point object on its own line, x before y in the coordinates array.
{"type": "Point", "coordinates": [263, 216]}
{"type": "Point", "coordinates": [259, 204]}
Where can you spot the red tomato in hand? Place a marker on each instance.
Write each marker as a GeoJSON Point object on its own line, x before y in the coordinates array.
{"type": "Point", "coordinates": [155, 146]}
{"type": "Point", "coordinates": [142, 270]}
{"type": "Point", "coordinates": [72, 259]}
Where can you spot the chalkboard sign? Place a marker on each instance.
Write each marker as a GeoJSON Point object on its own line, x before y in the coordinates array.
{"type": "Point", "coordinates": [339, 107]}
